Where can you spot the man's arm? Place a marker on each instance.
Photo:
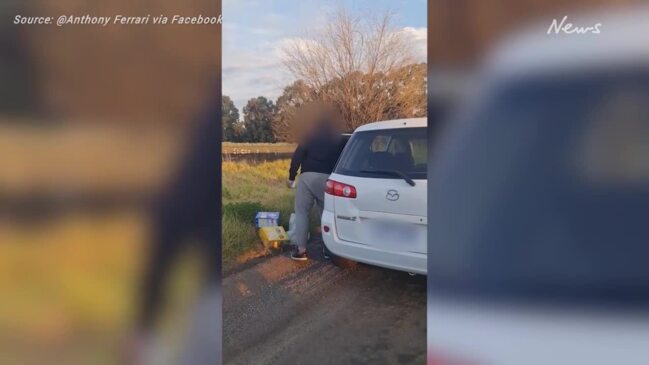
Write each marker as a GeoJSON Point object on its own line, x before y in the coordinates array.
{"type": "Point", "coordinates": [190, 206]}
{"type": "Point", "coordinates": [296, 162]}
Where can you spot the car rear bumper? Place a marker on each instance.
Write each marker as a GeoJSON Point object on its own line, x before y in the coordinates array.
{"type": "Point", "coordinates": [402, 261]}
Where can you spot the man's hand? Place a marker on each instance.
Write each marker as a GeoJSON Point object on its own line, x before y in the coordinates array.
{"type": "Point", "coordinates": [290, 184]}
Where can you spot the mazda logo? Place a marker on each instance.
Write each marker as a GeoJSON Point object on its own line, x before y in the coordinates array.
{"type": "Point", "coordinates": [392, 195]}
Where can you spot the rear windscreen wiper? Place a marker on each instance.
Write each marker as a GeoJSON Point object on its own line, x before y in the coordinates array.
{"type": "Point", "coordinates": [398, 173]}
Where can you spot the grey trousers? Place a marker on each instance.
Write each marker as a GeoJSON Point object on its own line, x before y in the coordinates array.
{"type": "Point", "coordinates": [310, 191]}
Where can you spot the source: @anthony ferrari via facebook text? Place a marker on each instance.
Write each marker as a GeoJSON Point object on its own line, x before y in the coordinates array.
{"type": "Point", "coordinates": [67, 20]}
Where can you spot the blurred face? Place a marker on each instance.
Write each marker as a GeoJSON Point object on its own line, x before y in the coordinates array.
{"type": "Point", "coordinates": [318, 119]}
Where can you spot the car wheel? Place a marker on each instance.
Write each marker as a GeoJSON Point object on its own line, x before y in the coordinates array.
{"type": "Point", "coordinates": [339, 261]}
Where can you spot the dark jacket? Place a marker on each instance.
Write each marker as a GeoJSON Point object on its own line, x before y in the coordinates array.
{"type": "Point", "coordinates": [189, 210]}
{"type": "Point", "coordinates": [318, 154]}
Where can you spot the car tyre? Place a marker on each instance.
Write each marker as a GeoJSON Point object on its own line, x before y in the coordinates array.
{"type": "Point", "coordinates": [339, 261]}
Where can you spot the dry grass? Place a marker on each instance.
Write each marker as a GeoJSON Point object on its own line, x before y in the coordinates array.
{"type": "Point", "coordinates": [76, 265]}
{"type": "Point", "coordinates": [69, 284]}
{"type": "Point", "coordinates": [69, 288]}
{"type": "Point", "coordinates": [250, 148]}
{"type": "Point", "coordinates": [85, 158]}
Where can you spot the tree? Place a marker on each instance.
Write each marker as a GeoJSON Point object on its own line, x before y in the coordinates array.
{"type": "Point", "coordinates": [230, 120]}
{"type": "Point", "coordinates": [365, 67]}
{"type": "Point", "coordinates": [258, 115]}
{"type": "Point", "coordinates": [285, 124]}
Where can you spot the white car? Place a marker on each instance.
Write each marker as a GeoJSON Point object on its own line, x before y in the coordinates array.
{"type": "Point", "coordinates": [539, 204]}
{"type": "Point", "coordinates": [375, 202]}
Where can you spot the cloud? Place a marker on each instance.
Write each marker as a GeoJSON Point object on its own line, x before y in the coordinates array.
{"type": "Point", "coordinates": [255, 72]}
{"type": "Point", "coordinates": [254, 68]}
{"type": "Point", "coordinates": [419, 38]}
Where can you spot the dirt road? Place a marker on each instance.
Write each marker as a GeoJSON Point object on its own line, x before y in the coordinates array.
{"type": "Point", "coordinates": [278, 311]}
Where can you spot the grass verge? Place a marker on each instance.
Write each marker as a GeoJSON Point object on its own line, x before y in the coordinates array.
{"type": "Point", "coordinates": [247, 189]}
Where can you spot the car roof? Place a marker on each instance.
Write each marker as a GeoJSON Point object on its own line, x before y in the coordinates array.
{"type": "Point", "coordinates": [393, 124]}
{"type": "Point", "coordinates": [621, 42]}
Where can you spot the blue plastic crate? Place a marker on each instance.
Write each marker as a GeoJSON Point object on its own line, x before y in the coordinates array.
{"type": "Point", "coordinates": [266, 219]}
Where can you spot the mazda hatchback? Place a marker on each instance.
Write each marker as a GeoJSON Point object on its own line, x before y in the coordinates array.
{"type": "Point", "coordinates": [375, 201]}
{"type": "Point", "coordinates": [539, 235]}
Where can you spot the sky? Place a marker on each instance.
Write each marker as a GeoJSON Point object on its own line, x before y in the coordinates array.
{"type": "Point", "coordinates": [255, 30]}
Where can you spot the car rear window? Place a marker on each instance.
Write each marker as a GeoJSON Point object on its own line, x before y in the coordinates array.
{"type": "Point", "coordinates": [403, 150]}
{"type": "Point", "coordinates": [545, 192]}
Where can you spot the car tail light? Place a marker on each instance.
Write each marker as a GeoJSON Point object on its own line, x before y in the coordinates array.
{"type": "Point", "coordinates": [336, 188]}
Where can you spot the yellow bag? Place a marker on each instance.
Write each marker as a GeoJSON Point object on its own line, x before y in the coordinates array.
{"type": "Point", "coordinates": [272, 237]}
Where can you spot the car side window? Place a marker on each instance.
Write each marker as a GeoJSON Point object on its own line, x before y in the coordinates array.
{"type": "Point", "coordinates": [419, 148]}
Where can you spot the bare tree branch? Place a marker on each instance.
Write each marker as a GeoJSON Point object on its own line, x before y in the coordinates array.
{"type": "Point", "coordinates": [366, 67]}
